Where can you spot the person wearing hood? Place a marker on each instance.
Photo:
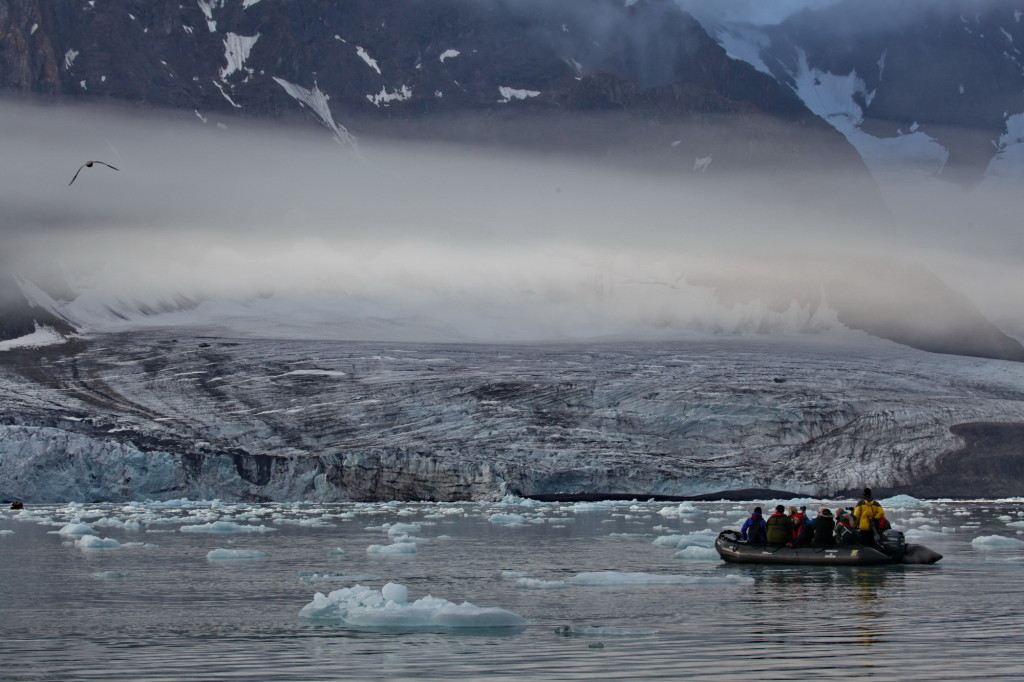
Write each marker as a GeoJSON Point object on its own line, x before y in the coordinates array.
{"type": "Point", "coordinates": [823, 527]}
{"type": "Point", "coordinates": [753, 528]}
{"type": "Point", "coordinates": [867, 514]}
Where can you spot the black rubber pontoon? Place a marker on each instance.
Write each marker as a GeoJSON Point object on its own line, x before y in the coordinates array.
{"type": "Point", "coordinates": [732, 549]}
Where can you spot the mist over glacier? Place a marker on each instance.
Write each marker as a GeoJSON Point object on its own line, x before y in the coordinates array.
{"type": "Point", "coordinates": [281, 231]}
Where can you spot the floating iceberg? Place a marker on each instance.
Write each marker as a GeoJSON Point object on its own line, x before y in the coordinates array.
{"type": "Point", "coordinates": [225, 527]}
{"type": "Point", "coordinates": [507, 518]}
{"type": "Point", "coordinates": [314, 577]}
{"type": "Point", "coordinates": [96, 542]}
{"type": "Point", "coordinates": [682, 509]}
{"type": "Point", "coordinates": [538, 584]}
{"type": "Point", "coordinates": [992, 541]}
{"type": "Point", "coordinates": [77, 529]}
{"type": "Point", "coordinates": [389, 607]}
{"type": "Point", "coordinates": [397, 529]}
{"type": "Point", "coordinates": [698, 539]}
{"type": "Point", "coordinates": [396, 548]}
{"type": "Point", "coordinates": [902, 501]}
{"type": "Point", "coordinates": [234, 554]}
{"type": "Point", "coordinates": [695, 553]}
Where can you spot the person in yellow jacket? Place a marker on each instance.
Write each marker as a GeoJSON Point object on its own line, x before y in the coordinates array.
{"type": "Point", "coordinates": [868, 512]}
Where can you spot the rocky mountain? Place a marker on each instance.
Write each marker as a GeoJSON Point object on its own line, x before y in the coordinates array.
{"type": "Point", "coordinates": [937, 85]}
{"type": "Point", "coordinates": [600, 75]}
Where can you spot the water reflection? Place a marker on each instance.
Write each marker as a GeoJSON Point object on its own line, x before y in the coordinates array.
{"type": "Point", "coordinates": [176, 614]}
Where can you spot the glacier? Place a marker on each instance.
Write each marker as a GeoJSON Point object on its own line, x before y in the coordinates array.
{"type": "Point", "coordinates": [170, 413]}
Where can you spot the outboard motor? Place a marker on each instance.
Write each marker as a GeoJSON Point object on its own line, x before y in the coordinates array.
{"type": "Point", "coordinates": [893, 543]}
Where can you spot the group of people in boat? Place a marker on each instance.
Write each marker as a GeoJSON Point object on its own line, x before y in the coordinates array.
{"type": "Point", "coordinates": [853, 525]}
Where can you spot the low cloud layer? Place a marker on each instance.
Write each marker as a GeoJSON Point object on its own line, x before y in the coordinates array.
{"type": "Point", "coordinates": [475, 244]}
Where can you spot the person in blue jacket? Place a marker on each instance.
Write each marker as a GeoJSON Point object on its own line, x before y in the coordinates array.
{"type": "Point", "coordinates": [753, 528]}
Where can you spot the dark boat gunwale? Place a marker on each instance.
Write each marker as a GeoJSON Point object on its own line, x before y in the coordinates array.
{"type": "Point", "coordinates": [731, 549]}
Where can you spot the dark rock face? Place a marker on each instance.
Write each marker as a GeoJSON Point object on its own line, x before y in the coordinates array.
{"type": "Point", "coordinates": [407, 67]}
{"type": "Point", "coordinates": [955, 69]}
{"type": "Point", "coordinates": [990, 463]}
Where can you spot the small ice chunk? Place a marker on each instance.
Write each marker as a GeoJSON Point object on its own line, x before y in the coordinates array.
{"type": "Point", "coordinates": [994, 541]}
{"type": "Point", "coordinates": [96, 542]}
{"type": "Point", "coordinates": [538, 584]}
{"type": "Point", "coordinates": [507, 518]}
{"type": "Point", "coordinates": [682, 509]}
{"type": "Point", "coordinates": [398, 529]}
{"type": "Point", "coordinates": [695, 553]}
{"type": "Point", "coordinates": [225, 527]}
{"type": "Point", "coordinates": [395, 592]}
{"type": "Point", "coordinates": [512, 575]}
{"type": "Point", "coordinates": [313, 577]}
{"type": "Point", "coordinates": [366, 607]}
{"type": "Point", "coordinates": [396, 548]}
{"type": "Point", "coordinates": [234, 554]}
{"type": "Point", "coordinates": [77, 529]}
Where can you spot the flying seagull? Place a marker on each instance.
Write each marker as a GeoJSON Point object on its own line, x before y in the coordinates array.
{"type": "Point", "coordinates": [88, 164]}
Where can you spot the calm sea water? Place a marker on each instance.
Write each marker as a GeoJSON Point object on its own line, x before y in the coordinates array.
{"type": "Point", "coordinates": [163, 611]}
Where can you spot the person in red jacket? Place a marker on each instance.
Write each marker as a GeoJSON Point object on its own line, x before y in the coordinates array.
{"type": "Point", "coordinates": [798, 519]}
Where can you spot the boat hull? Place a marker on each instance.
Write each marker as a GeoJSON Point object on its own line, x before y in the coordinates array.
{"type": "Point", "coordinates": [736, 551]}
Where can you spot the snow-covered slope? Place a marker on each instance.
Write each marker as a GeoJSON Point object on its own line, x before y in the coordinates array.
{"type": "Point", "coordinates": [922, 87]}
{"type": "Point", "coordinates": [164, 415]}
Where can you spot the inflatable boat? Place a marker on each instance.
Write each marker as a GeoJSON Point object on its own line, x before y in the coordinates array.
{"type": "Point", "coordinates": [893, 550]}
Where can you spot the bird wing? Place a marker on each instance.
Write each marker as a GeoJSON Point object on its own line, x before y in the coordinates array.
{"type": "Point", "coordinates": [106, 164]}
{"type": "Point", "coordinates": [76, 173]}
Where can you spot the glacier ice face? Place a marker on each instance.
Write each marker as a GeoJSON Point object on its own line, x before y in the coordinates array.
{"type": "Point", "coordinates": [166, 415]}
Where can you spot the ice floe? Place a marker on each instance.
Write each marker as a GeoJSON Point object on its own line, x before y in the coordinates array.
{"type": "Point", "coordinates": [235, 554]}
{"type": "Point", "coordinates": [538, 584]}
{"type": "Point", "coordinates": [77, 529]}
{"type": "Point", "coordinates": [225, 527]}
{"type": "Point", "coordinates": [695, 553]}
{"type": "Point", "coordinates": [507, 519]}
{"type": "Point", "coordinates": [390, 607]}
{"type": "Point", "coordinates": [395, 548]}
{"type": "Point", "coordinates": [96, 542]}
{"type": "Point", "coordinates": [996, 541]}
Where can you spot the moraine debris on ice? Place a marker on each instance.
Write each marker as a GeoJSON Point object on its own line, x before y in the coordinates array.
{"type": "Point", "coordinates": [159, 415]}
